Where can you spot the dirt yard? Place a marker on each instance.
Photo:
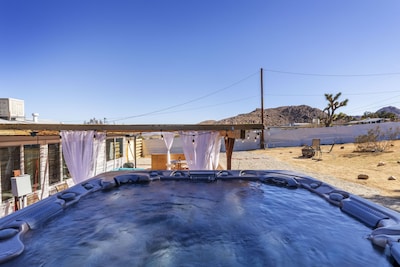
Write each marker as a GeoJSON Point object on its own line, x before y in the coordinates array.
{"type": "Point", "coordinates": [343, 162]}
{"type": "Point", "coordinates": [340, 168]}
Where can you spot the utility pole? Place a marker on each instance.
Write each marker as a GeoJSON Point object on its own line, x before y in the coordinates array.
{"type": "Point", "coordinates": [262, 145]}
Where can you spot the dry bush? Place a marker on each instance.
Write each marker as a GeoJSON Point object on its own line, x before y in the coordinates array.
{"type": "Point", "coordinates": [376, 140]}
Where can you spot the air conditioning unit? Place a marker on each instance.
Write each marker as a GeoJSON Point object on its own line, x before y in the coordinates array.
{"type": "Point", "coordinates": [21, 185]}
{"type": "Point", "coordinates": [12, 109]}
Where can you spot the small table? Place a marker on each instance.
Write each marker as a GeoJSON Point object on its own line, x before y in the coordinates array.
{"type": "Point", "coordinates": [179, 164]}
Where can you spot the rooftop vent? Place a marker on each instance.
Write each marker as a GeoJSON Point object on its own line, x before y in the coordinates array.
{"type": "Point", "coordinates": [35, 117]}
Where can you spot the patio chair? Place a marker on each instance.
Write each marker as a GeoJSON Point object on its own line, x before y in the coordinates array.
{"type": "Point", "coordinates": [316, 145]}
{"type": "Point", "coordinates": [61, 187]}
{"type": "Point", "coordinates": [32, 198]}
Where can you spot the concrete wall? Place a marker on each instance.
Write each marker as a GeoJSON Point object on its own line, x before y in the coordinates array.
{"type": "Point", "coordinates": [282, 137]}
{"type": "Point", "coordinates": [278, 137]}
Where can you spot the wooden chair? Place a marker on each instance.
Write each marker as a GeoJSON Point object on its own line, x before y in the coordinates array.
{"type": "Point", "coordinates": [32, 198]}
{"type": "Point", "coordinates": [62, 186]}
{"type": "Point", "coordinates": [316, 145]}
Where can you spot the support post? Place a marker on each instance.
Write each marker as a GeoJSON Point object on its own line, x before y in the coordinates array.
{"type": "Point", "coordinates": [134, 150]}
{"type": "Point", "coordinates": [229, 144]}
{"type": "Point", "coordinates": [262, 145]}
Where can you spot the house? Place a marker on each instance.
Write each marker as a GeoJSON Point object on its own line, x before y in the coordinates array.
{"type": "Point", "coordinates": [369, 121]}
{"type": "Point", "coordinates": [38, 154]}
{"type": "Point", "coordinates": [31, 148]}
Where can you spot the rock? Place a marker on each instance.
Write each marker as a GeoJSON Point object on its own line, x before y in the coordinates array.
{"type": "Point", "coordinates": [392, 177]}
{"type": "Point", "coordinates": [381, 163]}
{"type": "Point", "coordinates": [363, 176]}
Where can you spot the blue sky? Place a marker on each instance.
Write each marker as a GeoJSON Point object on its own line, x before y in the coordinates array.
{"type": "Point", "coordinates": [185, 61]}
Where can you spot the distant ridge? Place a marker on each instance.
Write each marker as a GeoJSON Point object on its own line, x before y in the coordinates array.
{"type": "Point", "coordinates": [280, 116]}
{"type": "Point", "coordinates": [286, 115]}
{"type": "Point", "coordinates": [390, 109]}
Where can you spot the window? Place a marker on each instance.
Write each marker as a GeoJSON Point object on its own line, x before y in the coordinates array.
{"type": "Point", "coordinates": [54, 164]}
{"type": "Point", "coordinates": [65, 171]}
{"type": "Point", "coordinates": [9, 161]}
{"type": "Point", "coordinates": [114, 148]}
{"type": "Point", "coordinates": [32, 161]}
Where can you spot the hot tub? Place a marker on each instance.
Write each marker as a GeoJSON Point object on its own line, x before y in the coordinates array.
{"type": "Point", "coordinates": [201, 218]}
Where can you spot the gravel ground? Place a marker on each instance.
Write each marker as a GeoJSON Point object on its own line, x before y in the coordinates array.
{"type": "Point", "coordinates": [247, 160]}
{"type": "Point", "coordinates": [250, 160]}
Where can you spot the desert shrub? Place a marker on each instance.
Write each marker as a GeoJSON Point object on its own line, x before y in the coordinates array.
{"type": "Point", "coordinates": [376, 140]}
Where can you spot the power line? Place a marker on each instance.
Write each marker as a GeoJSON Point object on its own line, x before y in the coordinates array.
{"type": "Point", "coordinates": [203, 107]}
{"type": "Point", "coordinates": [163, 110]}
{"type": "Point", "coordinates": [376, 103]}
{"type": "Point", "coordinates": [208, 106]}
{"type": "Point", "coordinates": [344, 93]}
{"type": "Point", "coordinates": [333, 75]}
{"type": "Point", "coordinates": [185, 103]}
{"type": "Point", "coordinates": [374, 93]}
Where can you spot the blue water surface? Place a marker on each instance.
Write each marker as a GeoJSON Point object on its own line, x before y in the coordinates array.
{"type": "Point", "coordinates": [225, 223]}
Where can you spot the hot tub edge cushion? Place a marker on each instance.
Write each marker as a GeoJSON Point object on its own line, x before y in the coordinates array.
{"type": "Point", "coordinates": [11, 246]}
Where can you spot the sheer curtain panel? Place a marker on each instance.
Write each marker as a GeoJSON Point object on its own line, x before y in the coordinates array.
{"type": "Point", "coordinates": [78, 151]}
{"type": "Point", "coordinates": [201, 149]}
{"type": "Point", "coordinates": [168, 139]}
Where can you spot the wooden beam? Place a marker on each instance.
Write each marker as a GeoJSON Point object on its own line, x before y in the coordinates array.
{"type": "Point", "coordinates": [227, 129]}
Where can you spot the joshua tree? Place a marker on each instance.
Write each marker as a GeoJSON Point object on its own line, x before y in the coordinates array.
{"type": "Point", "coordinates": [333, 105]}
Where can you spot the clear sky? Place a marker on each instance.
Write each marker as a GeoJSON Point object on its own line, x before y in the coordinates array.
{"type": "Point", "coordinates": [185, 61]}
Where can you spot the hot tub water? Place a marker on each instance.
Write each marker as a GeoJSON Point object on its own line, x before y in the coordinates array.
{"type": "Point", "coordinates": [180, 223]}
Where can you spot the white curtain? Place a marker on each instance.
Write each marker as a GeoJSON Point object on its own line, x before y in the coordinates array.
{"type": "Point", "coordinates": [214, 153]}
{"type": "Point", "coordinates": [168, 139]}
{"type": "Point", "coordinates": [201, 149]}
{"type": "Point", "coordinates": [78, 148]}
{"type": "Point", "coordinates": [99, 139]}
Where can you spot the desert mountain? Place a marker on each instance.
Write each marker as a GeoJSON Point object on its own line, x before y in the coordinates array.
{"type": "Point", "coordinates": [390, 109]}
{"type": "Point", "coordinates": [286, 115]}
{"type": "Point", "coordinates": [280, 116]}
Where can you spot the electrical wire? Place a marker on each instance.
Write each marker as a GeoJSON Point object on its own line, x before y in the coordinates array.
{"type": "Point", "coordinates": [343, 93]}
{"type": "Point", "coordinates": [164, 110]}
{"type": "Point", "coordinates": [185, 103]}
{"type": "Point", "coordinates": [207, 106]}
{"type": "Point", "coordinates": [374, 105]}
{"type": "Point", "coordinates": [333, 75]}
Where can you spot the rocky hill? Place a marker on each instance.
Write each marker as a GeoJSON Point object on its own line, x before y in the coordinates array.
{"type": "Point", "coordinates": [280, 116]}
{"type": "Point", "coordinates": [287, 115]}
{"type": "Point", "coordinates": [390, 109]}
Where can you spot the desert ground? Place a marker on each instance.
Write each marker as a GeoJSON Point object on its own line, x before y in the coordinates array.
{"type": "Point", "coordinates": [339, 168]}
